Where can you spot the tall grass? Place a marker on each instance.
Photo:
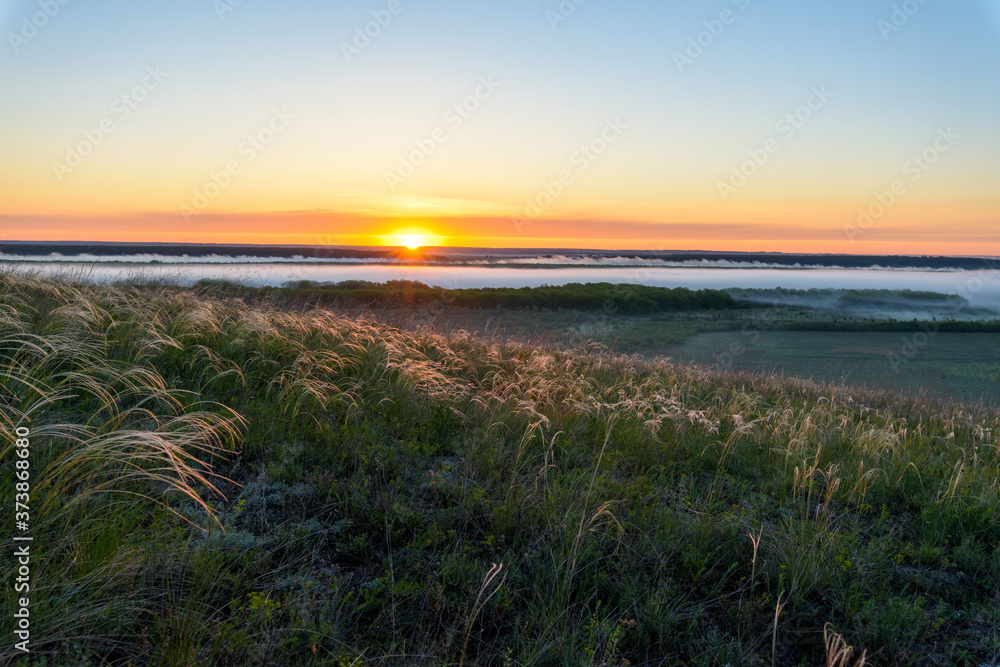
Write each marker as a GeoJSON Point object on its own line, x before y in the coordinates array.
{"type": "Point", "coordinates": [215, 483]}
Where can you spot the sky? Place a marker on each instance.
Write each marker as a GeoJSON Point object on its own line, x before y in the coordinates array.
{"type": "Point", "coordinates": [861, 126]}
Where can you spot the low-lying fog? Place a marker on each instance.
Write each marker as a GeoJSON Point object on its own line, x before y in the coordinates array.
{"type": "Point", "coordinates": [976, 293]}
{"type": "Point", "coordinates": [882, 304]}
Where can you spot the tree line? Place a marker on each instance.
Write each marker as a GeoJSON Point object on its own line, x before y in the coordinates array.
{"type": "Point", "coordinates": [607, 297]}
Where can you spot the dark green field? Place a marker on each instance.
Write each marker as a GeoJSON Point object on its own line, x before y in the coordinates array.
{"type": "Point", "coordinates": [960, 366]}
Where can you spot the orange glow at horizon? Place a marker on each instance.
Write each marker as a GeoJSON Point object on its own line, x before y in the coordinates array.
{"type": "Point", "coordinates": [412, 238]}
{"type": "Point", "coordinates": [805, 224]}
{"type": "Point", "coordinates": [931, 234]}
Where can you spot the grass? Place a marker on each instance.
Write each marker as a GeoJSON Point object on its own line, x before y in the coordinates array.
{"type": "Point", "coordinates": [960, 366]}
{"type": "Point", "coordinates": [214, 483]}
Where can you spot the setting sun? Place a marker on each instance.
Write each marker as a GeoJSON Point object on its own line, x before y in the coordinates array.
{"type": "Point", "coordinates": [411, 238]}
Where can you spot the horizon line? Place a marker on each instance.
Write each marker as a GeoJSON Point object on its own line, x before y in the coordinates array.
{"type": "Point", "coordinates": [389, 248]}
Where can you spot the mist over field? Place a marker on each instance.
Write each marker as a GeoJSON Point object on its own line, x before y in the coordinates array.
{"type": "Point", "coordinates": [880, 304]}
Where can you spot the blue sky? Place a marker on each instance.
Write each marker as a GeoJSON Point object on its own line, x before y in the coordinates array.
{"type": "Point", "coordinates": [557, 86]}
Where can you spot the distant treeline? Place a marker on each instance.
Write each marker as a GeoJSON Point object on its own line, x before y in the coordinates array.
{"type": "Point", "coordinates": [607, 297]}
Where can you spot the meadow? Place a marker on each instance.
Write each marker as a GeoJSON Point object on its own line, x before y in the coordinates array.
{"type": "Point", "coordinates": [236, 479]}
{"type": "Point", "coordinates": [960, 366]}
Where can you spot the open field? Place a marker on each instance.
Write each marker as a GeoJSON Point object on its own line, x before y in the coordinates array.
{"type": "Point", "coordinates": [961, 366]}
{"type": "Point", "coordinates": [218, 484]}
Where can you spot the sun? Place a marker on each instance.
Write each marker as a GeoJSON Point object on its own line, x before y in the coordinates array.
{"type": "Point", "coordinates": [411, 241]}
{"type": "Point", "coordinates": [411, 238]}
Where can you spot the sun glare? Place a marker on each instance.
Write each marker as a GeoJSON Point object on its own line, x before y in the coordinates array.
{"type": "Point", "coordinates": [411, 238]}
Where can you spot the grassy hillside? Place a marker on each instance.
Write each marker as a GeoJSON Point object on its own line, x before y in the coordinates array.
{"type": "Point", "coordinates": [218, 484]}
